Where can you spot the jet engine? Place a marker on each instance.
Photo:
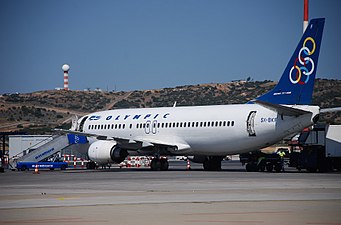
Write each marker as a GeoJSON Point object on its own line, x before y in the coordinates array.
{"type": "Point", "coordinates": [103, 152]}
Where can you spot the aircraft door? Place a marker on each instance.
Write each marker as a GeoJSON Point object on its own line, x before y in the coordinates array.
{"type": "Point", "coordinates": [250, 123]}
{"type": "Point", "coordinates": [81, 125]}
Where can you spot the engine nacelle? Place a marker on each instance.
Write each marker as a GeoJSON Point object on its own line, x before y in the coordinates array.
{"type": "Point", "coordinates": [104, 152]}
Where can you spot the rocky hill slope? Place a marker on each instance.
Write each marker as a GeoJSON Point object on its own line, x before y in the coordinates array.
{"type": "Point", "coordinates": [38, 112]}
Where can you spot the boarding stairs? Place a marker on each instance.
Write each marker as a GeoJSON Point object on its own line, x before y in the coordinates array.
{"type": "Point", "coordinates": [57, 144]}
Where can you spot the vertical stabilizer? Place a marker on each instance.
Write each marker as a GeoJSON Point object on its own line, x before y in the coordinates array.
{"type": "Point", "coordinates": [297, 82]}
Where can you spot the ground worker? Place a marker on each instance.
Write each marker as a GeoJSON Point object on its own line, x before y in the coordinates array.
{"type": "Point", "coordinates": [281, 155]}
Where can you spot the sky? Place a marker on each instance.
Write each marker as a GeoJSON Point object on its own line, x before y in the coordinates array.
{"type": "Point", "coordinates": [128, 45]}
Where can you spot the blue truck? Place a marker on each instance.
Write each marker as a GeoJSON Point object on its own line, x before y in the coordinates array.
{"type": "Point", "coordinates": [41, 165]}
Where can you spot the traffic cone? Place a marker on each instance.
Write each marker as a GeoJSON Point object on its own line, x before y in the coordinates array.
{"type": "Point", "coordinates": [36, 171]}
{"type": "Point", "coordinates": [188, 165]}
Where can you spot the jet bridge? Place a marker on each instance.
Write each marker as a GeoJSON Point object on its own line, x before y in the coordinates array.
{"type": "Point", "coordinates": [57, 144]}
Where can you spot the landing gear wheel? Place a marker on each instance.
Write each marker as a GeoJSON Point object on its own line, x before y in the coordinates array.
{"type": "Point", "coordinates": [213, 163]}
{"type": "Point", "coordinates": [158, 164]}
{"type": "Point", "coordinates": [155, 164]}
{"type": "Point", "coordinates": [91, 165]}
{"type": "Point", "coordinates": [164, 164]}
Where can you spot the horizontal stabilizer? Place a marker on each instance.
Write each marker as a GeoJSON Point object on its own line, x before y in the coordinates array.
{"type": "Point", "coordinates": [337, 109]}
{"type": "Point", "coordinates": [281, 109]}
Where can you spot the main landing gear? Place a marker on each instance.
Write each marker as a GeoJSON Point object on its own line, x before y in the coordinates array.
{"type": "Point", "coordinates": [213, 163]}
{"type": "Point", "coordinates": [159, 163]}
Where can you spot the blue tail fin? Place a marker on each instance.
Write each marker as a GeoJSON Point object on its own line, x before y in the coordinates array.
{"type": "Point", "coordinates": [297, 82]}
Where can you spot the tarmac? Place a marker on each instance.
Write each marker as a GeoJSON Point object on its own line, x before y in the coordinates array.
{"type": "Point", "coordinates": [139, 196]}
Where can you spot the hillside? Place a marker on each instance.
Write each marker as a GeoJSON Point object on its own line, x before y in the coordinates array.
{"type": "Point", "coordinates": [38, 112]}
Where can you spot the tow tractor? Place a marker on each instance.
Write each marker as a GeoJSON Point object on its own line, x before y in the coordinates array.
{"type": "Point", "coordinates": [259, 161]}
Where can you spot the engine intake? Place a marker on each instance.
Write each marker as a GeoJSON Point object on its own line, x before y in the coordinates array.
{"type": "Point", "coordinates": [104, 152]}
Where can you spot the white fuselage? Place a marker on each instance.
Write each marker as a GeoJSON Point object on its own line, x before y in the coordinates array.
{"type": "Point", "coordinates": [208, 130]}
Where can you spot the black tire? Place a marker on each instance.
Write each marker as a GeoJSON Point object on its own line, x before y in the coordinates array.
{"type": "Point", "coordinates": [269, 167]}
{"type": "Point", "coordinates": [24, 168]}
{"type": "Point", "coordinates": [206, 166]}
{"type": "Point", "coordinates": [63, 167]}
{"type": "Point", "coordinates": [261, 167]}
{"type": "Point", "coordinates": [91, 165]}
{"type": "Point", "coordinates": [155, 165]}
{"type": "Point", "coordinates": [278, 167]}
{"type": "Point", "coordinates": [164, 164]}
{"type": "Point", "coordinates": [251, 167]}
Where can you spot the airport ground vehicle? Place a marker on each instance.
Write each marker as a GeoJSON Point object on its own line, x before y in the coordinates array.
{"type": "Point", "coordinates": [318, 149]}
{"type": "Point", "coordinates": [41, 165]}
{"type": "Point", "coordinates": [260, 161]}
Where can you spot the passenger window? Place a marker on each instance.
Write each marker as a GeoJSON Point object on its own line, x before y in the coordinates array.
{"type": "Point", "coordinates": [232, 123]}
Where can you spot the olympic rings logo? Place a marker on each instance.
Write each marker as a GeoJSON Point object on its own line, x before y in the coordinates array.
{"type": "Point", "coordinates": [306, 64]}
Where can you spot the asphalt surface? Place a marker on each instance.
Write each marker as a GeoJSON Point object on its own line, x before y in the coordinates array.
{"type": "Point", "coordinates": [178, 196]}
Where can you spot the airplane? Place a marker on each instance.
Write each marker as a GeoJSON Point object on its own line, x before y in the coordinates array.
{"type": "Point", "coordinates": [209, 133]}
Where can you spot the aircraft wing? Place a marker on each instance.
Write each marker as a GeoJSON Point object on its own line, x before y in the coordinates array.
{"type": "Point", "coordinates": [144, 141]}
{"type": "Point", "coordinates": [281, 109]}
